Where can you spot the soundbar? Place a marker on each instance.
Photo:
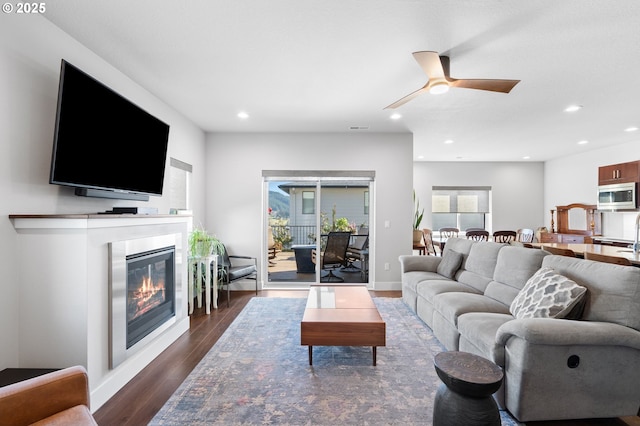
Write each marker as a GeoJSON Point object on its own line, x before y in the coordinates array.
{"type": "Point", "coordinates": [99, 193]}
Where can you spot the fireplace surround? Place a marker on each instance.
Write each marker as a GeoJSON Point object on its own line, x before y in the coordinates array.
{"type": "Point", "coordinates": [142, 284]}
{"type": "Point", "coordinates": [68, 313]}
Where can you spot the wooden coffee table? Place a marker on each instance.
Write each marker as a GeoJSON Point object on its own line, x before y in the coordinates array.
{"type": "Point", "coordinates": [341, 315]}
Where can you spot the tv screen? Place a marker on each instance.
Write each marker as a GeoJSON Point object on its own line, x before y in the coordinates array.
{"type": "Point", "coordinates": [103, 142]}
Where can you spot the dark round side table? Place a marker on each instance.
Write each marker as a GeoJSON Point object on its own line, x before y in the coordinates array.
{"type": "Point", "coordinates": [464, 396]}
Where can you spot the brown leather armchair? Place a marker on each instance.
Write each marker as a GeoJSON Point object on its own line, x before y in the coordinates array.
{"type": "Point", "coordinates": [58, 398]}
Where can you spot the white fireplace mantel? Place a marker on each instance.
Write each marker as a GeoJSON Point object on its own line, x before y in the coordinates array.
{"type": "Point", "coordinates": [64, 293]}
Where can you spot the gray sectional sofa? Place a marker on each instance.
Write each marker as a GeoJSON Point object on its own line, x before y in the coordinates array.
{"type": "Point", "coordinates": [576, 357]}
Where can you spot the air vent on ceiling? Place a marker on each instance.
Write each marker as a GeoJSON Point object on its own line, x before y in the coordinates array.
{"type": "Point", "coordinates": [359, 128]}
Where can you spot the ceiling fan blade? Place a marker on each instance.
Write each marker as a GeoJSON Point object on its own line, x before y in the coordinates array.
{"type": "Point", "coordinates": [406, 99]}
{"type": "Point", "coordinates": [503, 86]}
{"type": "Point", "coordinates": [431, 64]}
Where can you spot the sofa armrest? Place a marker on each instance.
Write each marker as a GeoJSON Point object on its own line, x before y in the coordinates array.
{"type": "Point", "coordinates": [41, 397]}
{"type": "Point", "coordinates": [551, 331]}
{"type": "Point", "coordinates": [409, 263]}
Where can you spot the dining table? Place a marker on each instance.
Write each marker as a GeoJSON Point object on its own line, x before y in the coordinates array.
{"type": "Point", "coordinates": [580, 249]}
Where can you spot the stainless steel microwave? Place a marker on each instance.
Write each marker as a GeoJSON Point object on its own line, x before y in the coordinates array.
{"type": "Point", "coordinates": [619, 196]}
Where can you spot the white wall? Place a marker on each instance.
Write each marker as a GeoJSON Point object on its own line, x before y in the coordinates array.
{"type": "Point", "coordinates": [517, 189]}
{"type": "Point", "coordinates": [574, 179]}
{"type": "Point", "coordinates": [31, 49]}
{"type": "Point", "coordinates": [234, 193]}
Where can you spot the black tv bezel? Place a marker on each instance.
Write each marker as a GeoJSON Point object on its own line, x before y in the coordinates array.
{"type": "Point", "coordinates": [101, 191]}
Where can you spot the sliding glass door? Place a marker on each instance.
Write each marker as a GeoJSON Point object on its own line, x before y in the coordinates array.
{"type": "Point", "coordinates": [301, 214]}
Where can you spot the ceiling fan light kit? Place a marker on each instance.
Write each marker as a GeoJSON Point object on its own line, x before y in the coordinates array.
{"type": "Point", "coordinates": [436, 67]}
{"type": "Point", "coordinates": [439, 88]}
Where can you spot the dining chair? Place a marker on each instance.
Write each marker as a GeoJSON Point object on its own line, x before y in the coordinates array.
{"type": "Point", "coordinates": [559, 251]}
{"type": "Point", "coordinates": [524, 235]}
{"type": "Point", "coordinates": [607, 259]}
{"type": "Point", "coordinates": [477, 235]}
{"type": "Point", "coordinates": [449, 232]}
{"type": "Point", "coordinates": [430, 247]}
{"type": "Point", "coordinates": [504, 236]}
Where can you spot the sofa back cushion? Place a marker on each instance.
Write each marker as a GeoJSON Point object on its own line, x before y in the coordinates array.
{"type": "Point", "coordinates": [478, 267]}
{"type": "Point", "coordinates": [613, 291]}
{"type": "Point", "coordinates": [514, 267]}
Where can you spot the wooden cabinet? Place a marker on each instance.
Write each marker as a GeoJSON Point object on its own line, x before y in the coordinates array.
{"type": "Point", "coordinates": [619, 173]}
{"type": "Point", "coordinates": [549, 237]}
{"type": "Point", "coordinates": [577, 224]}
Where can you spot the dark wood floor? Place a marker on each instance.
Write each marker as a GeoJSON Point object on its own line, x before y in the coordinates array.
{"type": "Point", "coordinates": [137, 402]}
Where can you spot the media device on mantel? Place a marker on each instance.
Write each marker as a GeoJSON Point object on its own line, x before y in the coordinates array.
{"type": "Point", "coordinates": [104, 145]}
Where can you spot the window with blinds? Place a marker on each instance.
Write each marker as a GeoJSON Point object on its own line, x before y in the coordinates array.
{"type": "Point", "coordinates": [460, 207]}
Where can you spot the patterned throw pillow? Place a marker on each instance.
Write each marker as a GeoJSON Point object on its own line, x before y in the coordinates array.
{"type": "Point", "coordinates": [547, 294]}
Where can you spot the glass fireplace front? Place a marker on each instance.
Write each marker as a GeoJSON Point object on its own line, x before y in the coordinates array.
{"type": "Point", "coordinates": [150, 292]}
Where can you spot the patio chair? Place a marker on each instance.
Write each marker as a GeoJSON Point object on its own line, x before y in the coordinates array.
{"type": "Point", "coordinates": [271, 246]}
{"type": "Point", "coordinates": [357, 250]}
{"type": "Point", "coordinates": [334, 255]}
{"type": "Point", "coordinates": [235, 268]}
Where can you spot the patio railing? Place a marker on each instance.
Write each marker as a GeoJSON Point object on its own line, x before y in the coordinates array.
{"type": "Point", "coordinates": [290, 235]}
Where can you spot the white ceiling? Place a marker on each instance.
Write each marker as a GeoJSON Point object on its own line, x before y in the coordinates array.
{"type": "Point", "coordinates": [328, 65]}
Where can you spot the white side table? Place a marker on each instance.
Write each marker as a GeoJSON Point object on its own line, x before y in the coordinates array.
{"type": "Point", "coordinates": [196, 285]}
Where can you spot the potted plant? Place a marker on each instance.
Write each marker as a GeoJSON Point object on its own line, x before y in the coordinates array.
{"type": "Point", "coordinates": [417, 220]}
{"type": "Point", "coordinates": [203, 244]}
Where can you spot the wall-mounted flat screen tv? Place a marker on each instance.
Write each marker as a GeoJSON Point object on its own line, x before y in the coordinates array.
{"type": "Point", "coordinates": [104, 145]}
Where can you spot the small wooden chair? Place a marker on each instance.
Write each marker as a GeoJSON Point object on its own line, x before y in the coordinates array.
{"type": "Point", "coordinates": [430, 248]}
{"type": "Point", "coordinates": [477, 235]}
{"type": "Point", "coordinates": [449, 232]}
{"type": "Point", "coordinates": [607, 259]}
{"type": "Point", "coordinates": [504, 236]}
{"type": "Point", "coordinates": [559, 251]}
{"type": "Point", "coordinates": [524, 235]}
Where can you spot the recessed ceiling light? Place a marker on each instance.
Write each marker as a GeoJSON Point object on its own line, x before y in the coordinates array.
{"type": "Point", "coordinates": [396, 116]}
{"type": "Point", "coordinates": [243, 115]}
{"type": "Point", "coordinates": [631, 129]}
{"type": "Point", "coordinates": [420, 157]}
{"type": "Point", "coordinates": [583, 142]}
{"type": "Point", "coordinates": [526, 157]}
{"type": "Point", "coordinates": [448, 141]}
{"type": "Point", "coordinates": [573, 108]}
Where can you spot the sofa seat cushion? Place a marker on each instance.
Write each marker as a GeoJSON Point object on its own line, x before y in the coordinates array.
{"type": "Point", "coordinates": [547, 294]}
{"type": "Point", "coordinates": [429, 289]}
{"type": "Point", "coordinates": [410, 280]}
{"type": "Point", "coordinates": [451, 305]}
{"type": "Point", "coordinates": [478, 334]}
{"type": "Point", "coordinates": [78, 415]}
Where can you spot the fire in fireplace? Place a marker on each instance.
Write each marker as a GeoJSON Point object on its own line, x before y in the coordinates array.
{"type": "Point", "coordinates": [145, 285]}
{"type": "Point", "coordinates": [150, 292]}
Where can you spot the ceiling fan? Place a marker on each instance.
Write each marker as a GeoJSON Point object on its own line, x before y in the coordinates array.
{"type": "Point", "coordinates": [437, 69]}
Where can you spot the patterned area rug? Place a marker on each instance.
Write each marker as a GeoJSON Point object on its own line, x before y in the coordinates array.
{"type": "Point", "coordinates": [258, 373]}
